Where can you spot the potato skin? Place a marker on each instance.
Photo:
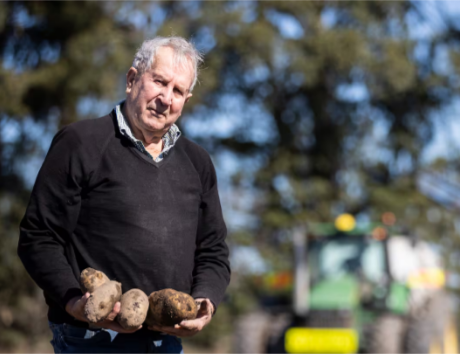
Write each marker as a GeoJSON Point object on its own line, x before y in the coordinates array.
{"type": "Point", "coordinates": [101, 301]}
{"type": "Point", "coordinates": [90, 279]}
{"type": "Point", "coordinates": [169, 307]}
{"type": "Point", "coordinates": [133, 311]}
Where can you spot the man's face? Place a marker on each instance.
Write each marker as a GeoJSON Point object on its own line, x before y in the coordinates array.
{"type": "Point", "coordinates": [155, 100]}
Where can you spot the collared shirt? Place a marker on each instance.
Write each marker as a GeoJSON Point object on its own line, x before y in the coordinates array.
{"type": "Point", "coordinates": [169, 139]}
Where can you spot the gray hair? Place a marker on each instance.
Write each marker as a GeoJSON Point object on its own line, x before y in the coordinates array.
{"type": "Point", "coordinates": [183, 51]}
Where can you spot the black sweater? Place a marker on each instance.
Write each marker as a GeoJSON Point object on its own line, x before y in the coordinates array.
{"type": "Point", "coordinates": [98, 202]}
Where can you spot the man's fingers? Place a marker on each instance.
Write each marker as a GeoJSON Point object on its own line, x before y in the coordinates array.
{"type": "Point", "coordinates": [114, 313]}
{"type": "Point", "coordinates": [186, 328]}
{"type": "Point", "coordinates": [115, 326]}
{"type": "Point", "coordinates": [164, 329]}
{"type": "Point", "coordinates": [154, 328]}
{"type": "Point", "coordinates": [173, 331]}
{"type": "Point", "coordinates": [191, 325]}
{"type": "Point", "coordinates": [80, 303]}
{"type": "Point", "coordinates": [109, 321]}
{"type": "Point", "coordinates": [76, 307]}
{"type": "Point", "coordinates": [205, 307]}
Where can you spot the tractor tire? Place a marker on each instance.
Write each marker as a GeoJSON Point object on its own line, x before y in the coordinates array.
{"type": "Point", "coordinates": [251, 333]}
{"type": "Point", "coordinates": [277, 332]}
{"type": "Point", "coordinates": [386, 335]}
{"type": "Point", "coordinates": [426, 329]}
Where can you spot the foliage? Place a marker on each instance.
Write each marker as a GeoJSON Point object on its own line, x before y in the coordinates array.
{"type": "Point", "coordinates": [53, 54]}
{"type": "Point", "coordinates": [347, 95]}
{"type": "Point", "coordinates": [334, 105]}
{"type": "Point", "coordinates": [329, 107]}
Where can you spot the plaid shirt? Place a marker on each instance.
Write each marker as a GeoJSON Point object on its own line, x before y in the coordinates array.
{"type": "Point", "coordinates": [169, 139]}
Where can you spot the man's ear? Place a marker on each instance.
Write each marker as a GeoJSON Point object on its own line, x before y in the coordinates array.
{"type": "Point", "coordinates": [188, 97]}
{"type": "Point", "coordinates": [130, 79]}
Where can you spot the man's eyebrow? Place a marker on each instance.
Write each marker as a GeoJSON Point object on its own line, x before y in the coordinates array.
{"type": "Point", "coordinates": [159, 76]}
{"type": "Point", "coordinates": [182, 88]}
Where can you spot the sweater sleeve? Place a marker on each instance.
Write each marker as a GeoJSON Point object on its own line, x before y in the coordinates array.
{"type": "Point", "coordinates": [212, 269]}
{"type": "Point", "coordinates": [51, 217]}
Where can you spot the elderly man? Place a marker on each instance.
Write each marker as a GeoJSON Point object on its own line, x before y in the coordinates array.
{"type": "Point", "coordinates": [127, 195]}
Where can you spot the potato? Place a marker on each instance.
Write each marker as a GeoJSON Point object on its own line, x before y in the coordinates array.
{"type": "Point", "coordinates": [90, 279]}
{"type": "Point", "coordinates": [169, 307]}
{"type": "Point", "coordinates": [101, 301]}
{"type": "Point", "coordinates": [134, 307]}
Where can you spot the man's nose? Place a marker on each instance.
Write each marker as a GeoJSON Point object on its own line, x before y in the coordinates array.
{"type": "Point", "coordinates": [166, 96]}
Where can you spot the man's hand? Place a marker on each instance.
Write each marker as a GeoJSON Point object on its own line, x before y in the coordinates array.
{"type": "Point", "coordinates": [188, 328]}
{"type": "Point", "coordinates": [76, 308]}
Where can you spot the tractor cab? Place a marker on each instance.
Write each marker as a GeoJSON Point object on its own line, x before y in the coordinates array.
{"type": "Point", "coordinates": [366, 287]}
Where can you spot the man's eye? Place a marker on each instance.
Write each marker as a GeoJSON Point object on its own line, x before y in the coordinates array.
{"type": "Point", "coordinates": [178, 92]}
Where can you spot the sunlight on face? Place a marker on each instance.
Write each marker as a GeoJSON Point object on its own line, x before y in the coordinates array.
{"type": "Point", "coordinates": [154, 101]}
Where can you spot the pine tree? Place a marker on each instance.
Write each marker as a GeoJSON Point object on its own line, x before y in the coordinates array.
{"type": "Point", "coordinates": [54, 56]}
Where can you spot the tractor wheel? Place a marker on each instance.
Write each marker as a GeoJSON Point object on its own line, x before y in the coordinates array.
{"type": "Point", "coordinates": [277, 330]}
{"type": "Point", "coordinates": [427, 330]}
{"type": "Point", "coordinates": [251, 333]}
{"type": "Point", "coordinates": [419, 337]}
{"type": "Point", "coordinates": [385, 335]}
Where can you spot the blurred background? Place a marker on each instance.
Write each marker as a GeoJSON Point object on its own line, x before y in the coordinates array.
{"type": "Point", "coordinates": [310, 110]}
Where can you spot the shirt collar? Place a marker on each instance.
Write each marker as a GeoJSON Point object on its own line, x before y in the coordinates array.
{"type": "Point", "coordinates": [170, 137]}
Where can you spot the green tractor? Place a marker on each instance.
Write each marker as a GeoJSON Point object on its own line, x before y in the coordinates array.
{"type": "Point", "coordinates": [357, 290]}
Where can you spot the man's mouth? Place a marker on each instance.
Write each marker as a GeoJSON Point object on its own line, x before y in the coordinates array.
{"type": "Point", "coordinates": [155, 112]}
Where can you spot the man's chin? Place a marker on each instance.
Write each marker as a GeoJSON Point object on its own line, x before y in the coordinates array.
{"type": "Point", "coordinates": [158, 127]}
{"type": "Point", "coordinates": [155, 123]}
{"type": "Point", "coordinates": [152, 114]}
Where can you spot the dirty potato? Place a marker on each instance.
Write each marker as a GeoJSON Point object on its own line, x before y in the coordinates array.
{"type": "Point", "coordinates": [133, 311]}
{"type": "Point", "coordinates": [169, 307]}
{"type": "Point", "coordinates": [90, 279]}
{"type": "Point", "coordinates": [101, 301]}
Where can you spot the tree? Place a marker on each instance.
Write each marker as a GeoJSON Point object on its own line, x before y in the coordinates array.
{"type": "Point", "coordinates": [326, 107]}
{"type": "Point", "coordinates": [333, 103]}
{"type": "Point", "coordinates": [55, 57]}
